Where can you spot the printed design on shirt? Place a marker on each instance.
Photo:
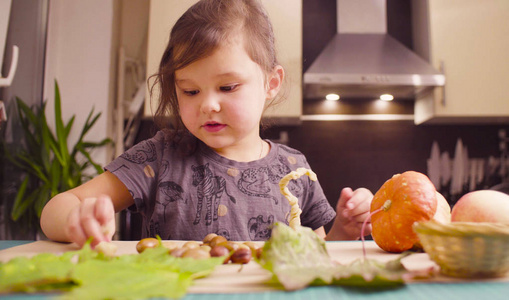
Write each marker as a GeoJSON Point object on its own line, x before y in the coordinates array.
{"type": "Point", "coordinates": [172, 192]}
{"type": "Point", "coordinates": [233, 172]}
{"type": "Point", "coordinates": [222, 210]}
{"type": "Point", "coordinates": [164, 168]}
{"type": "Point", "coordinates": [260, 228]}
{"type": "Point", "coordinates": [145, 152]}
{"type": "Point", "coordinates": [154, 229]}
{"type": "Point", "coordinates": [210, 188]}
{"type": "Point", "coordinates": [120, 167]}
{"type": "Point", "coordinates": [149, 171]}
{"type": "Point", "coordinates": [322, 209]}
{"type": "Point", "coordinates": [223, 232]}
{"type": "Point", "coordinates": [260, 182]}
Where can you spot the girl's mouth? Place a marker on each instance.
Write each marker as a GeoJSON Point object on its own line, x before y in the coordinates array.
{"type": "Point", "coordinates": [213, 126]}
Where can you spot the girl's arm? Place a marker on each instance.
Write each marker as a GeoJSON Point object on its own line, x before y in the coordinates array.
{"type": "Point", "coordinates": [86, 211]}
{"type": "Point", "coordinates": [320, 232]}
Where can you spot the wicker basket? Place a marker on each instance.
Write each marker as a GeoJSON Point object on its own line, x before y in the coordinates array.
{"type": "Point", "coordinates": [464, 249]}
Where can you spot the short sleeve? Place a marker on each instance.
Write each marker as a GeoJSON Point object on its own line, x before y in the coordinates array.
{"type": "Point", "coordinates": [138, 169]}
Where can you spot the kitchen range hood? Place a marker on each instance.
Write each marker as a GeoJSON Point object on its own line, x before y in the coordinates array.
{"type": "Point", "coordinates": [363, 61]}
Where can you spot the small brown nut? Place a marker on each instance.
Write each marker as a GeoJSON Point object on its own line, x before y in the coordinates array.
{"type": "Point", "coordinates": [146, 243]}
{"type": "Point", "coordinates": [170, 245]}
{"type": "Point", "coordinates": [217, 240]}
{"type": "Point", "coordinates": [231, 246]}
{"type": "Point", "coordinates": [241, 245]}
{"type": "Point", "coordinates": [206, 247]}
{"type": "Point", "coordinates": [178, 252]}
{"type": "Point", "coordinates": [196, 253]}
{"type": "Point", "coordinates": [251, 245]}
{"type": "Point", "coordinates": [209, 238]}
{"type": "Point", "coordinates": [259, 252]}
{"type": "Point", "coordinates": [191, 245]}
{"type": "Point", "coordinates": [218, 251]}
{"type": "Point", "coordinates": [241, 256]}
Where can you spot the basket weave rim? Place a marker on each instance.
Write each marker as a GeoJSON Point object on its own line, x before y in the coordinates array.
{"type": "Point", "coordinates": [462, 229]}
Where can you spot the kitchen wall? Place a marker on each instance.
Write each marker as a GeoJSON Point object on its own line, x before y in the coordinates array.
{"type": "Point", "coordinates": [81, 56]}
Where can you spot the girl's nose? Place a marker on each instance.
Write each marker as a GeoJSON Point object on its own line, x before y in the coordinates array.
{"type": "Point", "coordinates": [210, 103]}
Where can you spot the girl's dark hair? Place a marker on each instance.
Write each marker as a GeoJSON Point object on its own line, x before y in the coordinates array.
{"type": "Point", "coordinates": [197, 33]}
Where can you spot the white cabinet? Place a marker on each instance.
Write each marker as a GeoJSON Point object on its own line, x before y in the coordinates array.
{"type": "Point", "coordinates": [470, 39]}
{"type": "Point", "coordinates": [286, 16]}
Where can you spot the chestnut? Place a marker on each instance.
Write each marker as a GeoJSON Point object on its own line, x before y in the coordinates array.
{"type": "Point", "coordinates": [196, 253]}
{"type": "Point", "coordinates": [217, 240]}
{"type": "Point", "coordinates": [209, 237]}
{"type": "Point", "coordinates": [146, 243]}
{"type": "Point", "coordinates": [241, 256]}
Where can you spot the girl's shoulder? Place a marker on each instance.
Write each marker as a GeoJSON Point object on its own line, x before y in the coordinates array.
{"type": "Point", "coordinates": [182, 143]}
{"type": "Point", "coordinates": [287, 155]}
{"type": "Point", "coordinates": [281, 148]}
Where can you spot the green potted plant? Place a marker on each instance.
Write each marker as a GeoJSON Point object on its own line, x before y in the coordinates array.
{"type": "Point", "coordinates": [50, 164]}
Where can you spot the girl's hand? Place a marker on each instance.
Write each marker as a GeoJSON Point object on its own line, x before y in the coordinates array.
{"type": "Point", "coordinates": [351, 211]}
{"type": "Point", "coordinates": [93, 218]}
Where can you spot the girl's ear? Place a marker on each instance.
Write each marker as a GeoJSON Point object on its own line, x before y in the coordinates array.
{"type": "Point", "coordinates": [274, 82]}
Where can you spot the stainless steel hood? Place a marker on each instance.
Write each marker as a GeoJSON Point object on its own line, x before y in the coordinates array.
{"type": "Point", "coordinates": [367, 62]}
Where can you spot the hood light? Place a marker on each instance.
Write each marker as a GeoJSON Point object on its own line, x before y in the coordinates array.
{"type": "Point", "coordinates": [333, 97]}
{"type": "Point", "coordinates": [386, 97]}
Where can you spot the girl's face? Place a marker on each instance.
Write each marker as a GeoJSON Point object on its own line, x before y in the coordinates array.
{"type": "Point", "coordinates": [221, 99]}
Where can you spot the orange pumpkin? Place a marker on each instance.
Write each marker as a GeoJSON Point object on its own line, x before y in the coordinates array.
{"type": "Point", "coordinates": [402, 200]}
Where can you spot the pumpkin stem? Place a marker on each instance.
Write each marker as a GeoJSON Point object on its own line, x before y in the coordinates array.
{"type": "Point", "coordinates": [387, 204]}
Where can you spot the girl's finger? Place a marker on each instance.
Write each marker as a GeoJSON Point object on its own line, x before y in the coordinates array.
{"type": "Point", "coordinates": [103, 210]}
{"type": "Point", "coordinates": [89, 223]}
{"type": "Point", "coordinates": [361, 208]}
{"type": "Point", "coordinates": [105, 215]}
{"type": "Point", "coordinates": [74, 230]}
{"type": "Point", "coordinates": [361, 217]}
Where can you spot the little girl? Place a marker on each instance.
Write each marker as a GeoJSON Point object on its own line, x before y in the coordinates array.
{"type": "Point", "coordinates": [212, 173]}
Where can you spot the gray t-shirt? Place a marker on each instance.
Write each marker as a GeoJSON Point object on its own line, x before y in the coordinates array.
{"type": "Point", "coordinates": [185, 196]}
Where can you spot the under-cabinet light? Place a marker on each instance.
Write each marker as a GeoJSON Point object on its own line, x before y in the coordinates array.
{"type": "Point", "coordinates": [386, 97]}
{"type": "Point", "coordinates": [332, 97]}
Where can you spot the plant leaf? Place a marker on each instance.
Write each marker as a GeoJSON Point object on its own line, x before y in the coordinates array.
{"type": "Point", "coordinates": [152, 273]}
{"type": "Point", "coordinates": [61, 133]}
{"type": "Point", "coordinates": [298, 258]}
{"type": "Point", "coordinates": [19, 205]}
{"type": "Point", "coordinates": [42, 198]}
{"type": "Point", "coordinates": [45, 156]}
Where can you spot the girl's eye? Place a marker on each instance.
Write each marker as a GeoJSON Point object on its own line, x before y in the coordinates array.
{"type": "Point", "coordinates": [191, 93]}
{"type": "Point", "coordinates": [229, 88]}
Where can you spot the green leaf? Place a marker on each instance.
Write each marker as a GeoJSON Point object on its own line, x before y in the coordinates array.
{"type": "Point", "coordinates": [97, 167]}
{"type": "Point", "coordinates": [298, 258]}
{"type": "Point", "coordinates": [45, 156]}
{"type": "Point", "coordinates": [32, 167]}
{"type": "Point", "coordinates": [68, 127]}
{"type": "Point", "coordinates": [30, 275]}
{"type": "Point", "coordinates": [153, 273]}
{"type": "Point", "coordinates": [371, 273]}
{"type": "Point", "coordinates": [126, 281]}
{"type": "Point", "coordinates": [61, 132]}
{"type": "Point", "coordinates": [42, 198]}
{"type": "Point", "coordinates": [20, 206]}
